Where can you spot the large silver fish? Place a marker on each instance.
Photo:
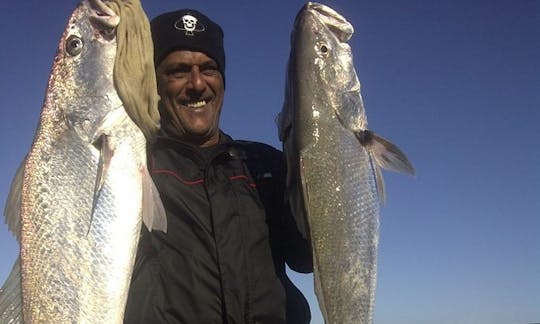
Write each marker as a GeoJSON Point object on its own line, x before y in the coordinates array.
{"type": "Point", "coordinates": [78, 199]}
{"type": "Point", "coordinates": [334, 179]}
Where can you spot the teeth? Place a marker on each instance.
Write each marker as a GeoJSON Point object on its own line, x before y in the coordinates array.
{"type": "Point", "coordinates": [196, 104]}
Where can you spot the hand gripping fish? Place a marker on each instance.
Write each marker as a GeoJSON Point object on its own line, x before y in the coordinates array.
{"type": "Point", "coordinates": [78, 200]}
{"type": "Point", "coordinates": [334, 180]}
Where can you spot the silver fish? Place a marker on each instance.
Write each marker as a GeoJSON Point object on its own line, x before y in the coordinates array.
{"type": "Point", "coordinates": [334, 180]}
{"type": "Point", "coordinates": [78, 200]}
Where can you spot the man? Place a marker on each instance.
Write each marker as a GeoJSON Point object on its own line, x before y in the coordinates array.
{"type": "Point", "coordinates": [229, 234]}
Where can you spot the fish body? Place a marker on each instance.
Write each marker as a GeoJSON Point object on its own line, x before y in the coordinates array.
{"type": "Point", "coordinates": [76, 204]}
{"type": "Point", "coordinates": [334, 181]}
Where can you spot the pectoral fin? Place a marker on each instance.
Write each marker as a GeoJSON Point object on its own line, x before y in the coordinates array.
{"type": "Point", "coordinates": [11, 297]}
{"type": "Point", "coordinates": [387, 155]}
{"type": "Point", "coordinates": [384, 155]}
{"type": "Point", "coordinates": [12, 210]}
{"type": "Point", "coordinates": [106, 150]}
{"type": "Point", "coordinates": [153, 213]}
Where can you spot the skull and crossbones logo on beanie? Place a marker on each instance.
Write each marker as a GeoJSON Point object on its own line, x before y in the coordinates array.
{"type": "Point", "coordinates": [190, 24]}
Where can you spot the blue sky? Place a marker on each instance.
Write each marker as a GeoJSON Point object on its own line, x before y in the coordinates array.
{"type": "Point", "coordinates": [456, 84]}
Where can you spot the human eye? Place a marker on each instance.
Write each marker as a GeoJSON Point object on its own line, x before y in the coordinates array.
{"type": "Point", "coordinates": [210, 69]}
{"type": "Point", "coordinates": [177, 72]}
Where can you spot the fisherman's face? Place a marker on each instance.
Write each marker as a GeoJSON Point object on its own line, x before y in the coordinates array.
{"type": "Point", "coordinates": [191, 90]}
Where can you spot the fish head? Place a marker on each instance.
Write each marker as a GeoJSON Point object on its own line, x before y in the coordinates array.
{"type": "Point", "coordinates": [81, 88]}
{"type": "Point", "coordinates": [323, 59]}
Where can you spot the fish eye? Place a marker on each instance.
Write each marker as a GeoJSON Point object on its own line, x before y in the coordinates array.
{"type": "Point", "coordinates": [323, 49]}
{"type": "Point", "coordinates": [74, 45]}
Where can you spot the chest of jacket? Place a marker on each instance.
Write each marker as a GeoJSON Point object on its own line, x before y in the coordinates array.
{"type": "Point", "coordinates": [217, 243]}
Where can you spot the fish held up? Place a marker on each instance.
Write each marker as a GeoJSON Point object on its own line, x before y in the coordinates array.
{"type": "Point", "coordinates": [83, 191]}
{"type": "Point", "coordinates": [334, 179]}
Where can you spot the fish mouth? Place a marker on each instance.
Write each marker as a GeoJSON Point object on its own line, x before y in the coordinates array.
{"type": "Point", "coordinates": [103, 18]}
{"type": "Point", "coordinates": [334, 21]}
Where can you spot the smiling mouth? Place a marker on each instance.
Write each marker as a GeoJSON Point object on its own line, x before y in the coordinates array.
{"type": "Point", "coordinates": [195, 104]}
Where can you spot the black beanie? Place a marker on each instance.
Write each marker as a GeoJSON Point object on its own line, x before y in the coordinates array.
{"type": "Point", "coordinates": [187, 29]}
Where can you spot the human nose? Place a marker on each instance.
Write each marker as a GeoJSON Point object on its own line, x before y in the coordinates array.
{"type": "Point", "coordinates": [196, 81]}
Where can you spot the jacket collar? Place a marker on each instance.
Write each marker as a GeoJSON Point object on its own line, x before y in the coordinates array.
{"type": "Point", "coordinates": [227, 147]}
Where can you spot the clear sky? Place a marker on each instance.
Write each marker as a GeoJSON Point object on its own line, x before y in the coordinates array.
{"type": "Point", "coordinates": [456, 84]}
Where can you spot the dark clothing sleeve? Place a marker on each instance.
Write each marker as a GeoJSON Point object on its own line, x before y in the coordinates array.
{"type": "Point", "coordinates": [267, 166]}
{"type": "Point", "coordinates": [297, 252]}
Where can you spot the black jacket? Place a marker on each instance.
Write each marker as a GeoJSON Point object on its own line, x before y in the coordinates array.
{"type": "Point", "coordinates": [229, 235]}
